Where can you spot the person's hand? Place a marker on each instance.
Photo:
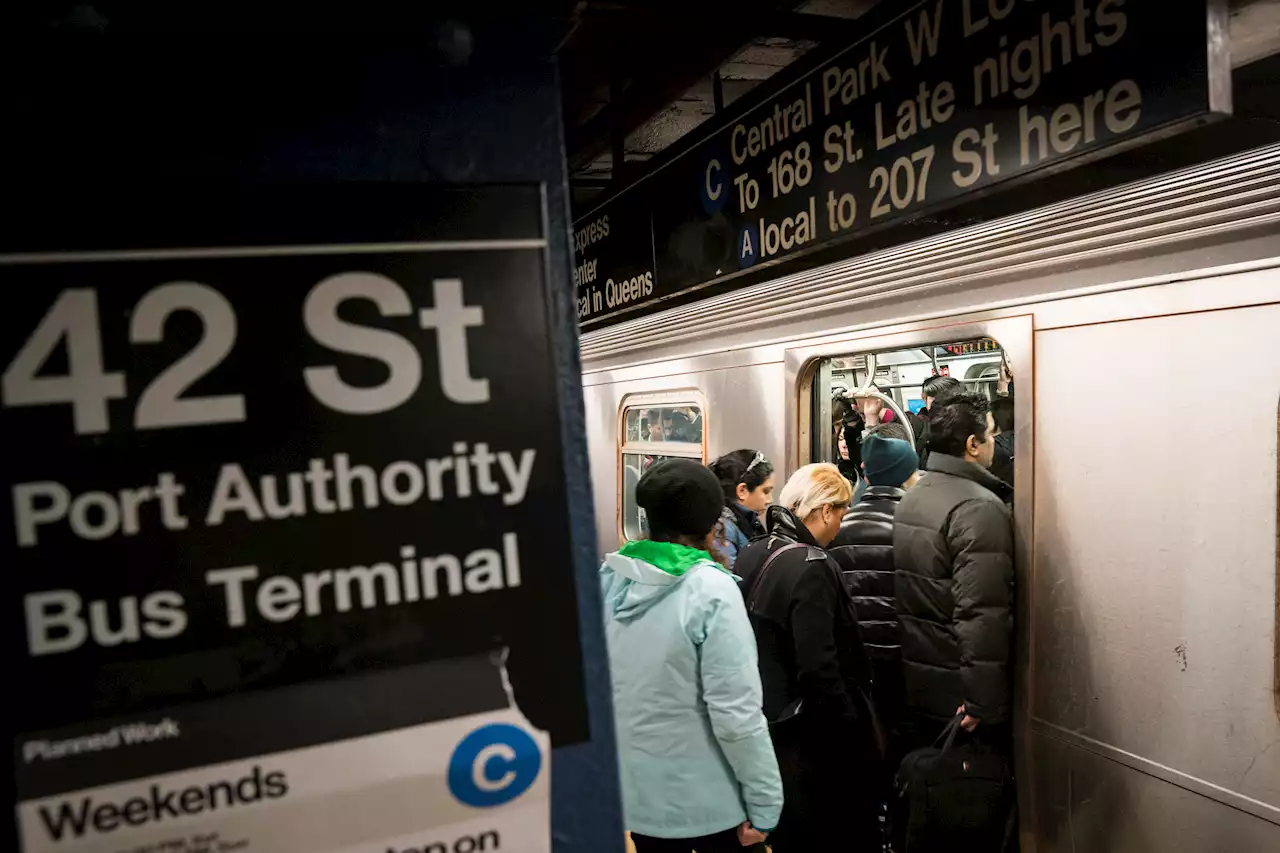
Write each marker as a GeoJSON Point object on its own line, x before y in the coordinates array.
{"type": "Point", "coordinates": [748, 834]}
{"type": "Point", "coordinates": [870, 407]}
{"type": "Point", "coordinates": [968, 723]}
{"type": "Point", "coordinates": [869, 404]}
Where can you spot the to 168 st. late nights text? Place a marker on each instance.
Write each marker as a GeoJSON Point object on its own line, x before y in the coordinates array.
{"type": "Point", "coordinates": [845, 155]}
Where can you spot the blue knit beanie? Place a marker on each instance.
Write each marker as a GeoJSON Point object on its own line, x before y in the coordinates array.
{"type": "Point", "coordinates": [888, 461]}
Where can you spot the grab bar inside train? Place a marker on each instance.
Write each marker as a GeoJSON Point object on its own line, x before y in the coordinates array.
{"type": "Point", "coordinates": [867, 390]}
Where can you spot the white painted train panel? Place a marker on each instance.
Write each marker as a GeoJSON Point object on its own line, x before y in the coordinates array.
{"type": "Point", "coordinates": [1155, 540]}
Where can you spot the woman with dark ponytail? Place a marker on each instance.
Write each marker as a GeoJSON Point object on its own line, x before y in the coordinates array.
{"type": "Point", "coordinates": [746, 478]}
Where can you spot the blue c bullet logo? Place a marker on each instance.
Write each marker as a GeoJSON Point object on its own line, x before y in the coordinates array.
{"type": "Point", "coordinates": [713, 192]}
{"type": "Point", "coordinates": [493, 765]}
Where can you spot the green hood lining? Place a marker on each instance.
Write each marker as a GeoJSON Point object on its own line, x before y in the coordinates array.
{"type": "Point", "coordinates": [671, 557]}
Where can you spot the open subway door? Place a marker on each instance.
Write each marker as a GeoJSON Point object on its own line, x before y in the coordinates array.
{"type": "Point", "coordinates": [881, 372]}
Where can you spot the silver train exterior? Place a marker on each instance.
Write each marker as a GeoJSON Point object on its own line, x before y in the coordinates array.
{"type": "Point", "coordinates": [1143, 324]}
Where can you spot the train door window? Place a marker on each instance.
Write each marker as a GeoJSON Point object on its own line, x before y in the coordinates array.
{"type": "Point", "coordinates": [894, 385]}
{"type": "Point", "coordinates": [654, 427]}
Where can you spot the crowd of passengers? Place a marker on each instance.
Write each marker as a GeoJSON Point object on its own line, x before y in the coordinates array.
{"type": "Point", "coordinates": [773, 661]}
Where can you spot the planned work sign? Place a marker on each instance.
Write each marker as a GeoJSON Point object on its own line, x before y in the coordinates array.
{"type": "Point", "coordinates": [275, 462]}
{"type": "Point", "coordinates": [946, 99]}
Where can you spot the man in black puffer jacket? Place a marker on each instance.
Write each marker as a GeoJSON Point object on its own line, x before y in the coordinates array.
{"type": "Point", "coordinates": [953, 554]}
{"type": "Point", "coordinates": [863, 549]}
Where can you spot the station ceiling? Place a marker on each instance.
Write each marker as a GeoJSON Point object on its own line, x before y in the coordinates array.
{"type": "Point", "coordinates": [637, 76]}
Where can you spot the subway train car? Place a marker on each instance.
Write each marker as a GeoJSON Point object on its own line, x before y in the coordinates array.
{"type": "Point", "coordinates": [1139, 326]}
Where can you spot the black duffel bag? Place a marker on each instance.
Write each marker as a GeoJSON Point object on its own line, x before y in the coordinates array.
{"type": "Point", "coordinates": [954, 796]}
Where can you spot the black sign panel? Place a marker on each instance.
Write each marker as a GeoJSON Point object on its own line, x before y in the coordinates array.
{"type": "Point", "coordinates": [279, 457]}
{"type": "Point", "coordinates": [944, 101]}
{"type": "Point", "coordinates": [613, 259]}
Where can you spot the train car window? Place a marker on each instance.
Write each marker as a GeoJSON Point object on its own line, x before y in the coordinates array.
{"type": "Point", "coordinates": [664, 423]}
{"type": "Point", "coordinates": [896, 380]}
{"type": "Point", "coordinates": [653, 428]}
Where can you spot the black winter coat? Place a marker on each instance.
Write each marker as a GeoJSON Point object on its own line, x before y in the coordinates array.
{"type": "Point", "coordinates": [922, 436]}
{"type": "Point", "coordinates": [863, 549]}
{"type": "Point", "coordinates": [953, 554]}
{"type": "Point", "coordinates": [805, 625]}
{"type": "Point", "coordinates": [918, 423]}
{"type": "Point", "coordinates": [1002, 463]}
{"type": "Point", "coordinates": [811, 656]}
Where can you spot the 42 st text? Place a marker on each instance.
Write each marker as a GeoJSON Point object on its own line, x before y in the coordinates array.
{"type": "Point", "coordinates": [72, 321]}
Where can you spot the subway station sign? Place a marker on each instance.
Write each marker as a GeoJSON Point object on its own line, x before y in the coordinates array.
{"type": "Point", "coordinates": [951, 98]}
{"type": "Point", "coordinates": [258, 480]}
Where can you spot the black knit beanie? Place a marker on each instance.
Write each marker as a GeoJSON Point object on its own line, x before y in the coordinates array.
{"type": "Point", "coordinates": [680, 497]}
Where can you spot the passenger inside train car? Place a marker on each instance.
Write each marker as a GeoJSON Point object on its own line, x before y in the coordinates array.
{"type": "Point", "coordinates": [847, 425]}
{"type": "Point", "coordinates": [932, 388]}
{"type": "Point", "coordinates": [1002, 415]}
{"type": "Point", "coordinates": [668, 429]}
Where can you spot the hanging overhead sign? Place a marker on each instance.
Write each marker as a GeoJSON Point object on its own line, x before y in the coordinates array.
{"type": "Point", "coordinates": [287, 470]}
{"type": "Point", "coordinates": [613, 260]}
{"type": "Point", "coordinates": [948, 99]}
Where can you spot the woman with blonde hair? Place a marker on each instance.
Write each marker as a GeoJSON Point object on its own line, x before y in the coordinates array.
{"type": "Point", "coordinates": [814, 670]}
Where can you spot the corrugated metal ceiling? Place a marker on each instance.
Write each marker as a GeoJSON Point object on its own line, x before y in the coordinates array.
{"type": "Point", "coordinates": [763, 39]}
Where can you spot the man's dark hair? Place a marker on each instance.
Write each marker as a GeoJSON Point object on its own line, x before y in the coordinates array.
{"type": "Point", "coordinates": [892, 429]}
{"type": "Point", "coordinates": [1002, 413]}
{"type": "Point", "coordinates": [681, 427]}
{"type": "Point", "coordinates": [938, 386]}
{"type": "Point", "coordinates": [955, 418]}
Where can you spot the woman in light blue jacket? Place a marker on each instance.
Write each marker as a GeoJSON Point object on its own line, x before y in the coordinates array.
{"type": "Point", "coordinates": [698, 768]}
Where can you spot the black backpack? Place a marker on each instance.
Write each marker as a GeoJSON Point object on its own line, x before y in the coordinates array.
{"type": "Point", "coordinates": [954, 797]}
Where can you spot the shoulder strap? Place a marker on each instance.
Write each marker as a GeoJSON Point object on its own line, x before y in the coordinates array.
{"type": "Point", "coordinates": [751, 593]}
